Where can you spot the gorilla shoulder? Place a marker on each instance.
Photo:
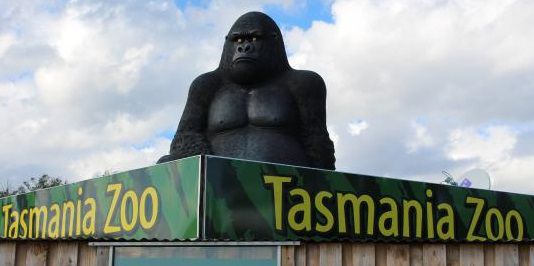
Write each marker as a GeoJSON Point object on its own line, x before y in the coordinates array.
{"type": "Point", "coordinates": [206, 83]}
{"type": "Point", "coordinates": [308, 83]}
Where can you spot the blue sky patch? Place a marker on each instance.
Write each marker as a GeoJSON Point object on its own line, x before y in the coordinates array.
{"type": "Point", "coordinates": [301, 14]}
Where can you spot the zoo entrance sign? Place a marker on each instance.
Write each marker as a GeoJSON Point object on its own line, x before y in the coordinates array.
{"type": "Point", "coordinates": [254, 201]}
{"type": "Point", "coordinates": [154, 203]}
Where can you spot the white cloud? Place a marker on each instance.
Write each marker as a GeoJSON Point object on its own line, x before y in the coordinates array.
{"type": "Point", "coordinates": [6, 41]}
{"type": "Point", "coordinates": [83, 83]}
{"type": "Point", "coordinates": [356, 128]}
{"type": "Point", "coordinates": [88, 81]}
{"type": "Point", "coordinates": [117, 159]}
{"type": "Point", "coordinates": [492, 149]}
{"type": "Point", "coordinates": [456, 65]}
{"type": "Point", "coordinates": [333, 135]}
{"type": "Point", "coordinates": [134, 59]}
{"type": "Point", "coordinates": [514, 174]}
{"type": "Point", "coordinates": [421, 138]}
{"type": "Point", "coordinates": [489, 145]}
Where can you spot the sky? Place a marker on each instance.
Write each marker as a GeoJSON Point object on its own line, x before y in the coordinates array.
{"type": "Point", "coordinates": [414, 87]}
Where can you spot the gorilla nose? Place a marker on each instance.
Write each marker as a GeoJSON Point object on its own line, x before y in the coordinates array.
{"type": "Point", "coordinates": [245, 48]}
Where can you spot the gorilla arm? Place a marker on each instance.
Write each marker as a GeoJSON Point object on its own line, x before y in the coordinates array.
{"type": "Point", "coordinates": [190, 138]}
{"type": "Point", "coordinates": [310, 95]}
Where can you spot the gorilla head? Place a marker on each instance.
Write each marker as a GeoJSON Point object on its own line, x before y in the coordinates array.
{"type": "Point", "coordinates": [254, 49]}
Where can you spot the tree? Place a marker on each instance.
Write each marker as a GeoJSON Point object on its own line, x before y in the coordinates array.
{"type": "Point", "coordinates": [45, 181]}
{"type": "Point", "coordinates": [6, 190]}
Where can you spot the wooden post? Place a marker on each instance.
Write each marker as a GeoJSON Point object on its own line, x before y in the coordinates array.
{"type": "Point", "coordinates": [381, 254]}
{"type": "Point", "coordinates": [70, 253]}
{"type": "Point", "coordinates": [288, 256]}
{"type": "Point", "coordinates": [300, 255]}
{"type": "Point", "coordinates": [363, 254]}
{"type": "Point", "coordinates": [86, 254]}
{"type": "Point", "coordinates": [347, 252]}
{"type": "Point", "coordinates": [312, 254]}
{"type": "Point", "coordinates": [102, 256]}
{"type": "Point", "coordinates": [62, 254]}
{"type": "Point", "coordinates": [330, 254]}
{"type": "Point", "coordinates": [398, 255]}
{"type": "Point", "coordinates": [506, 254]}
{"type": "Point", "coordinates": [36, 254]}
{"type": "Point", "coordinates": [453, 254]}
{"type": "Point", "coordinates": [7, 253]}
{"type": "Point", "coordinates": [489, 255]}
{"type": "Point", "coordinates": [471, 254]}
{"type": "Point", "coordinates": [434, 254]}
{"type": "Point", "coordinates": [416, 255]}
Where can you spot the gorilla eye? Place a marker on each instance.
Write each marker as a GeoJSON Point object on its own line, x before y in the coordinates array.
{"type": "Point", "coordinates": [254, 39]}
{"type": "Point", "coordinates": [239, 40]}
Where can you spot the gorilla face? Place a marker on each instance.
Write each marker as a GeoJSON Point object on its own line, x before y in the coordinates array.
{"type": "Point", "coordinates": [254, 49]}
{"type": "Point", "coordinates": [248, 62]}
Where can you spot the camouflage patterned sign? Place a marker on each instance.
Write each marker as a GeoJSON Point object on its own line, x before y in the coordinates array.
{"type": "Point", "coordinates": [155, 203]}
{"type": "Point", "coordinates": [251, 201]}
{"type": "Point", "coordinates": [259, 201]}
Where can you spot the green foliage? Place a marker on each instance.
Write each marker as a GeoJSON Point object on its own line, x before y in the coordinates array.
{"type": "Point", "coordinates": [45, 181]}
{"type": "Point", "coordinates": [6, 190]}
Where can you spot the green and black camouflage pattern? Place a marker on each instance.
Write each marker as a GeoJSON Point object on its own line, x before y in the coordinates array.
{"type": "Point", "coordinates": [253, 201]}
{"type": "Point", "coordinates": [239, 206]}
{"type": "Point", "coordinates": [174, 186]}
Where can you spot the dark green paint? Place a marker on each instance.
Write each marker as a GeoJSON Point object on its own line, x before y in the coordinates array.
{"type": "Point", "coordinates": [177, 187]}
{"type": "Point", "coordinates": [241, 207]}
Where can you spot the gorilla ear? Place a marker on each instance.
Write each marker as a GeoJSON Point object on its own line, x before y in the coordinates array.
{"type": "Point", "coordinates": [275, 36]}
{"type": "Point", "coordinates": [226, 37]}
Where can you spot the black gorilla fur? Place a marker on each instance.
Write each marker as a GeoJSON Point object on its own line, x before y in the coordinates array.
{"type": "Point", "coordinates": [254, 105]}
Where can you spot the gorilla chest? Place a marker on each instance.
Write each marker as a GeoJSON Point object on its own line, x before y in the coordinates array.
{"type": "Point", "coordinates": [234, 107]}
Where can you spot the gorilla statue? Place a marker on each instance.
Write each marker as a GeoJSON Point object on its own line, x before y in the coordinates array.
{"type": "Point", "coordinates": [254, 105]}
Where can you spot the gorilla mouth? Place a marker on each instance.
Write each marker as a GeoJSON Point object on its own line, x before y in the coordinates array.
{"type": "Point", "coordinates": [244, 59]}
